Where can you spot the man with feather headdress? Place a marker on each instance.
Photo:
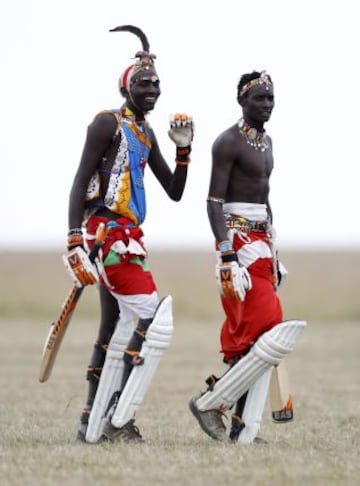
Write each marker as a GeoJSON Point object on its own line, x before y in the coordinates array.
{"type": "Point", "coordinates": [109, 188]}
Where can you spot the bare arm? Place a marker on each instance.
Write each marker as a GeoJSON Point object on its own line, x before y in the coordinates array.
{"type": "Point", "coordinates": [99, 136]}
{"type": "Point", "coordinates": [172, 182]}
{"type": "Point", "coordinates": [269, 211]}
{"type": "Point", "coordinates": [222, 163]}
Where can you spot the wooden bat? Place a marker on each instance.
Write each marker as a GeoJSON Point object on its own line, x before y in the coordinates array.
{"type": "Point", "coordinates": [58, 328]}
{"type": "Point", "coordinates": [281, 404]}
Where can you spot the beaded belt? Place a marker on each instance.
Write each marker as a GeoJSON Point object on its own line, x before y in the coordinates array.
{"type": "Point", "coordinates": [245, 225]}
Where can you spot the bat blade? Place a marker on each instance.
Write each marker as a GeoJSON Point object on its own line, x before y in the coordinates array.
{"type": "Point", "coordinates": [282, 409]}
{"type": "Point", "coordinates": [59, 327]}
{"type": "Point", "coordinates": [56, 334]}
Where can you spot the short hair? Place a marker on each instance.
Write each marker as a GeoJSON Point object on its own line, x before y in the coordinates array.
{"type": "Point", "coordinates": [246, 78]}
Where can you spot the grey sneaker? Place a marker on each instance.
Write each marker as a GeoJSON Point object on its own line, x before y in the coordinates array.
{"type": "Point", "coordinates": [210, 421]}
{"type": "Point", "coordinates": [127, 433]}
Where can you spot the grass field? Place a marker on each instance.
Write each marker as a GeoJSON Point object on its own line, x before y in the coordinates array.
{"type": "Point", "coordinates": [38, 422]}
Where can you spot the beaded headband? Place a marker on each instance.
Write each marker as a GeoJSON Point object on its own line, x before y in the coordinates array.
{"type": "Point", "coordinates": [144, 61]}
{"type": "Point", "coordinates": [264, 78]}
{"type": "Point", "coordinates": [130, 71]}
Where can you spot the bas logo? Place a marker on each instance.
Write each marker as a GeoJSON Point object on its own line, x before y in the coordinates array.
{"type": "Point", "coordinates": [283, 415]}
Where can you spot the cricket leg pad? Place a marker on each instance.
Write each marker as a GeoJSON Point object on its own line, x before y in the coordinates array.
{"type": "Point", "coordinates": [110, 379]}
{"type": "Point", "coordinates": [268, 351]}
{"type": "Point", "coordinates": [157, 340]}
{"type": "Point", "coordinates": [254, 407]}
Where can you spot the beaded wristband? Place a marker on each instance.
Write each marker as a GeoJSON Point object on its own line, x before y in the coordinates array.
{"type": "Point", "coordinates": [75, 231]}
{"type": "Point", "coordinates": [182, 154]}
{"type": "Point", "coordinates": [75, 240]}
{"type": "Point", "coordinates": [225, 246]}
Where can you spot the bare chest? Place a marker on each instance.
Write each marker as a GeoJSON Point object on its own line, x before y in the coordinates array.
{"type": "Point", "coordinates": [253, 163]}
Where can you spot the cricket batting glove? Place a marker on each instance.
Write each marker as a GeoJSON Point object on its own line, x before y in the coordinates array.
{"type": "Point", "coordinates": [78, 265]}
{"type": "Point", "coordinates": [182, 133]}
{"type": "Point", "coordinates": [233, 281]}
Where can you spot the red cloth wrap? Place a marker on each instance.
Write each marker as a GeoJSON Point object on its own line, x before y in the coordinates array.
{"type": "Point", "coordinates": [261, 310]}
{"type": "Point", "coordinates": [124, 278]}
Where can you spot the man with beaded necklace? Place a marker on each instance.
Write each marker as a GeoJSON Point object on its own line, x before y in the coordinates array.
{"type": "Point", "coordinates": [109, 188]}
{"type": "Point", "coordinates": [241, 221]}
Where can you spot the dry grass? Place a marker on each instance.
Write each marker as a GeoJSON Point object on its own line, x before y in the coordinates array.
{"type": "Point", "coordinates": [38, 421]}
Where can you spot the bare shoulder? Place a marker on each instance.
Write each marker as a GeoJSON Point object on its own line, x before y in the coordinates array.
{"type": "Point", "coordinates": [225, 140]}
{"type": "Point", "coordinates": [106, 119]}
{"type": "Point", "coordinates": [104, 125]}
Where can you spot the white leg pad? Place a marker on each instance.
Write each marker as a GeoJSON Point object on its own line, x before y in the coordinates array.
{"type": "Point", "coordinates": [157, 340]}
{"type": "Point", "coordinates": [254, 407]}
{"type": "Point", "coordinates": [110, 379]}
{"type": "Point", "coordinates": [268, 351]}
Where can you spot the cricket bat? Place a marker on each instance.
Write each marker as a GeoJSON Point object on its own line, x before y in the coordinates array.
{"type": "Point", "coordinates": [59, 326]}
{"type": "Point", "coordinates": [282, 410]}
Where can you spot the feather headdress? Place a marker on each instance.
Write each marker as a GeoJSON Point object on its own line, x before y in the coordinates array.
{"type": "Point", "coordinates": [144, 60]}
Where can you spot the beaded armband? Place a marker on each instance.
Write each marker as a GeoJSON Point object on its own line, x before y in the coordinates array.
{"type": "Point", "coordinates": [215, 199]}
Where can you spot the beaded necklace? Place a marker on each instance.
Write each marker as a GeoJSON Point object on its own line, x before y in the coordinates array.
{"type": "Point", "coordinates": [252, 137]}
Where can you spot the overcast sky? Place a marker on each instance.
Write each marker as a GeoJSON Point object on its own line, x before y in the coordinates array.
{"type": "Point", "coordinates": [60, 66]}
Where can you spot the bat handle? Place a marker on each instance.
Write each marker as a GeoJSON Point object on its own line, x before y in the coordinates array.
{"type": "Point", "coordinates": [101, 233]}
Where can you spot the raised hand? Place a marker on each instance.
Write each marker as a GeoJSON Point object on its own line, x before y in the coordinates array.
{"type": "Point", "coordinates": [181, 129]}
